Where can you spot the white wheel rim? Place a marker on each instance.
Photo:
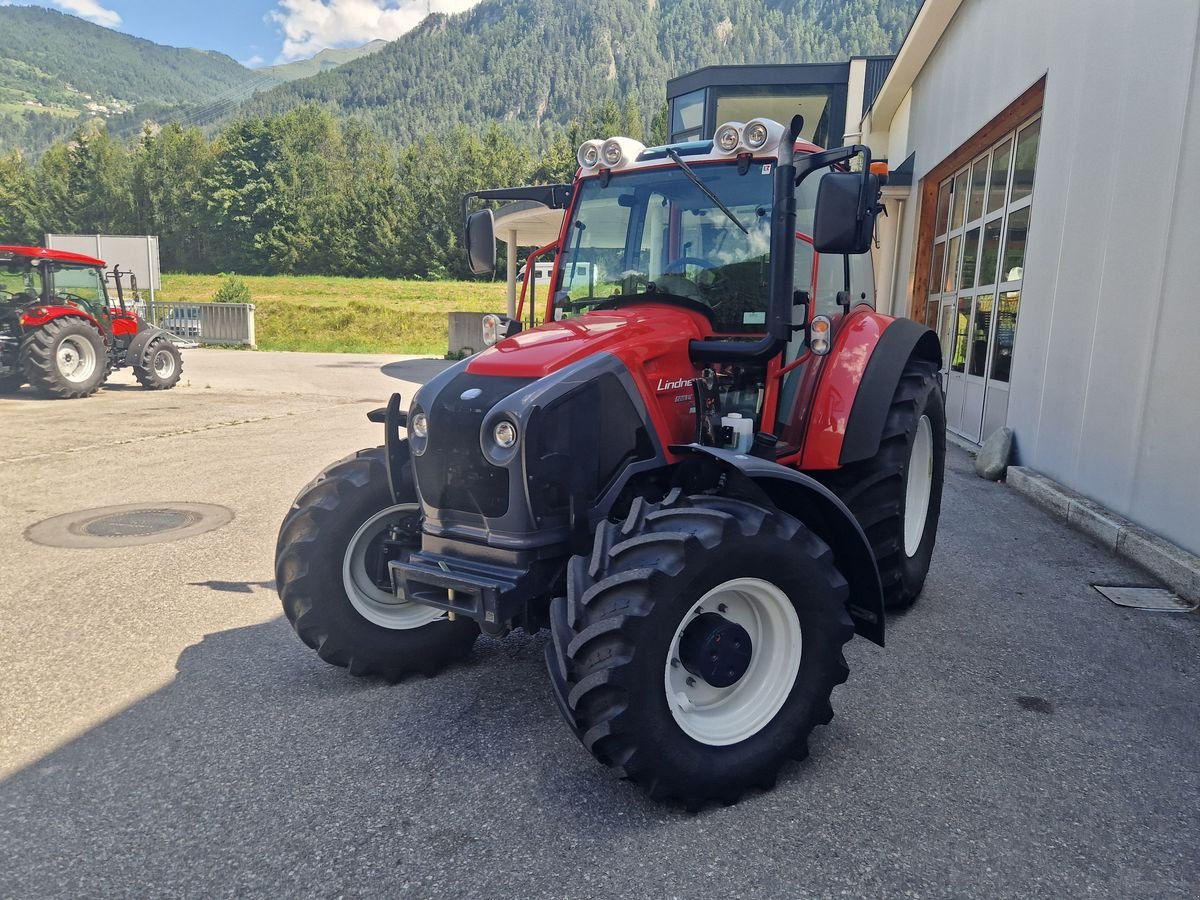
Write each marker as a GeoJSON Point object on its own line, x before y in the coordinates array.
{"type": "Point", "coordinates": [76, 359]}
{"type": "Point", "coordinates": [164, 364]}
{"type": "Point", "coordinates": [919, 487]}
{"type": "Point", "coordinates": [380, 607]}
{"type": "Point", "coordinates": [719, 717]}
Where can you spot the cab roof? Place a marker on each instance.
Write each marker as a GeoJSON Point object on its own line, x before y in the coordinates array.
{"type": "Point", "coordinates": [11, 251]}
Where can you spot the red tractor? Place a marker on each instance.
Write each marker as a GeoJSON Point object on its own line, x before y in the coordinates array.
{"type": "Point", "coordinates": [62, 334]}
{"type": "Point", "coordinates": [712, 466]}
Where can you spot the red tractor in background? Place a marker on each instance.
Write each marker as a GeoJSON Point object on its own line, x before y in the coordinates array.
{"type": "Point", "coordinates": [711, 467]}
{"type": "Point", "coordinates": [61, 333]}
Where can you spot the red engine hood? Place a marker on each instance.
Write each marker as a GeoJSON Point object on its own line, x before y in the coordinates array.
{"type": "Point", "coordinates": [647, 336]}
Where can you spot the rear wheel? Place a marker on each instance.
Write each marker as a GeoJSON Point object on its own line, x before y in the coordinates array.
{"type": "Point", "coordinates": [698, 646]}
{"type": "Point", "coordinates": [161, 365]}
{"type": "Point", "coordinates": [65, 358]}
{"type": "Point", "coordinates": [331, 573]}
{"type": "Point", "coordinates": [897, 495]}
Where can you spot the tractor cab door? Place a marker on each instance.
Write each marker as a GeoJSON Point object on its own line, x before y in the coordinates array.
{"type": "Point", "coordinates": [82, 287]}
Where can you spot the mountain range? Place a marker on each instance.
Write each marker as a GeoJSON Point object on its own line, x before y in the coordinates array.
{"type": "Point", "coordinates": [534, 65]}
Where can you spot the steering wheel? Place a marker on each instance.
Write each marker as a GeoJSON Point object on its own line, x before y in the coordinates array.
{"type": "Point", "coordinates": [680, 263]}
{"type": "Point", "coordinates": [71, 296]}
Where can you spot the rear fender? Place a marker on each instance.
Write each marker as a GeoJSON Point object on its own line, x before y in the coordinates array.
{"type": "Point", "coordinates": [852, 400]}
{"type": "Point", "coordinates": [769, 483]}
{"type": "Point", "coordinates": [49, 313]}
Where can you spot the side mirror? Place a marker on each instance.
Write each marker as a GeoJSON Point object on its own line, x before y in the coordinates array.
{"type": "Point", "coordinates": [844, 220]}
{"type": "Point", "coordinates": [481, 242]}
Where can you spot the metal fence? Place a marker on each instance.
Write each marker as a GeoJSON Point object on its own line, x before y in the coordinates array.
{"type": "Point", "coordinates": [202, 323]}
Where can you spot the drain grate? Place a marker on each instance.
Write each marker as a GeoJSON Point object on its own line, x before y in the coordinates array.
{"type": "Point", "coordinates": [1148, 598]}
{"type": "Point", "coordinates": [140, 522]}
{"type": "Point", "coordinates": [129, 525]}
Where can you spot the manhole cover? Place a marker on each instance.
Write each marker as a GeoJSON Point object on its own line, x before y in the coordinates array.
{"type": "Point", "coordinates": [1149, 598]}
{"type": "Point", "coordinates": [139, 522]}
{"type": "Point", "coordinates": [129, 525]}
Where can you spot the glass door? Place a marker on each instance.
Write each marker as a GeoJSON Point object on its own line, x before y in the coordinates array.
{"type": "Point", "coordinates": [981, 229]}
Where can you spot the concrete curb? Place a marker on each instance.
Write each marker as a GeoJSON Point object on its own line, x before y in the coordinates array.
{"type": "Point", "coordinates": [1174, 566]}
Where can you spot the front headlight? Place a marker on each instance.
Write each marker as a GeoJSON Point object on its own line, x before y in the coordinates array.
{"type": "Point", "coordinates": [756, 135]}
{"type": "Point", "coordinates": [611, 153]}
{"type": "Point", "coordinates": [728, 137]}
{"type": "Point", "coordinates": [418, 433]}
{"type": "Point", "coordinates": [505, 435]}
{"type": "Point", "coordinates": [589, 154]}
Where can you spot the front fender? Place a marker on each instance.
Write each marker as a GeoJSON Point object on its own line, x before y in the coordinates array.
{"type": "Point", "coordinates": [137, 347]}
{"type": "Point", "coordinates": [821, 510]}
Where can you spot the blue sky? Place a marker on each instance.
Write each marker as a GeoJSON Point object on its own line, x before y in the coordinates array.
{"type": "Point", "coordinates": [257, 32]}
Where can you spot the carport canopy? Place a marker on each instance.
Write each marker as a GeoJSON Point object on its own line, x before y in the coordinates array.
{"type": "Point", "coordinates": [524, 223]}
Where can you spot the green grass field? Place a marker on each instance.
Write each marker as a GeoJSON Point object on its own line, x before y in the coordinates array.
{"type": "Point", "coordinates": [348, 315]}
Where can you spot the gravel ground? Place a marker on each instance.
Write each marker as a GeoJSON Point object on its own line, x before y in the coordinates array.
{"type": "Point", "coordinates": [163, 733]}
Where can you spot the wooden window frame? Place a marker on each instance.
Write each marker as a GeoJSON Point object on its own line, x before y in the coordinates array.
{"type": "Point", "coordinates": [1024, 107]}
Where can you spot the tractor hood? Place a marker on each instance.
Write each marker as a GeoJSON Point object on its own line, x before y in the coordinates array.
{"type": "Point", "coordinates": [639, 334]}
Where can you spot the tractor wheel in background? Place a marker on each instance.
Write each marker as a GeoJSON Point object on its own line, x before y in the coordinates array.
{"type": "Point", "coordinates": [334, 582]}
{"type": "Point", "coordinates": [161, 365]}
{"type": "Point", "coordinates": [699, 644]}
{"type": "Point", "coordinates": [897, 494]}
{"type": "Point", "coordinates": [65, 358]}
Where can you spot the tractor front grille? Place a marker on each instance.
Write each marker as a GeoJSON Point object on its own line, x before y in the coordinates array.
{"type": "Point", "coordinates": [452, 473]}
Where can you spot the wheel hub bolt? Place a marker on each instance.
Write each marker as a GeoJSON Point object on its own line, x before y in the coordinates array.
{"type": "Point", "coordinates": [691, 682]}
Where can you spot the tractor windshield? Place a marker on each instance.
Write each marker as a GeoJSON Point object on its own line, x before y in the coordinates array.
{"type": "Point", "coordinates": [79, 283]}
{"type": "Point", "coordinates": [654, 232]}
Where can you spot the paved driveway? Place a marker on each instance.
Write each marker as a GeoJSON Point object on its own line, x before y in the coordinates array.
{"type": "Point", "coordinates": [162, 732]}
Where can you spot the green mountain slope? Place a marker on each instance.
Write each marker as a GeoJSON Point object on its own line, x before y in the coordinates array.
{"type": "Point", "coordinates": [56, 68]}
{"type": "Point", "coordinates": [542, 63]}
{"type": "Point", "coordinates": [322, 62]}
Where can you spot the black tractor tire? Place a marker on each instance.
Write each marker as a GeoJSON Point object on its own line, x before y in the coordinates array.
{"type": "Point", "coordinates": [613, 639]}
{"type": "Point", "coordinates": [876, 489]}
{"type": "Point", "coordinates": [316, 542]}
{"type": "Point", "coordinates": [161, 365]}
{"type": "Point", "coordinates": [40, 358]}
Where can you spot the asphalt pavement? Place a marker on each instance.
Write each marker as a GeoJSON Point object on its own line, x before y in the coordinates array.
{"type": "Point", "coordinates": [163, 732]}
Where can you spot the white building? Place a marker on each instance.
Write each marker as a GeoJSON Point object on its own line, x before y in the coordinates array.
{"type": "Point", "coordinates": [1051, 234]}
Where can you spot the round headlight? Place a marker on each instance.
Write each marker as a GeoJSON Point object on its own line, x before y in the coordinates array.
{"type": "Point", "coordinates": [419, 426]}
{"type": "Point", "coordinates": [756, 135]}
{"type": "Point", "coordinates": [611, 154]}
{"type": "Point", "coordinates": [505, 435]}
{"type": "Point", "coordinates": [728, 137]}
{"type": "Point", "coordinates": [589, 154]}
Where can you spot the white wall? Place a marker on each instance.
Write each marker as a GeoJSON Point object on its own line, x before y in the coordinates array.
{"type": "Point", "coordinates": [1106, 375]}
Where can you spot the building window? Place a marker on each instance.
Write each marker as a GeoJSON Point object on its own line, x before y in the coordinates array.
{"type": "Point", "coordinates": [687, 116]}
{"type": "Point", "coordinates": [968, 261]}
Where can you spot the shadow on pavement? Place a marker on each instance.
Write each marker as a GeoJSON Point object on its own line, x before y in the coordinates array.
{"type": "Point", "coordinates": [259, 769]}
{"type": "Point", "coordinates": [418, 370]}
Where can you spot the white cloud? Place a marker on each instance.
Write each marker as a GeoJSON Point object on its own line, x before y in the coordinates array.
{"type": "Point", "coordinates": [309, 26]}
{"type": "Point", "coordinates": [92, 11]}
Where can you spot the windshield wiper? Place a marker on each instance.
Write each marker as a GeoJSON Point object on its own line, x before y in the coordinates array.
{"type": "Point", "coordinates": [704, 189]}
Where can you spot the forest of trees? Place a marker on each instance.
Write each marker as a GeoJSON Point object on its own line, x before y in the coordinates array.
{"type": "Point", "coordinates": [298, 193]}
{"type": "Point", "coordinates": [360, 170]}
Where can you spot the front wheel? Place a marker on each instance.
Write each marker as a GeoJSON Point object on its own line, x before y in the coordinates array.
{"type": "Point", "coordinates": [332, 575]}
{"type": "Point", "coordinates": [161, 365]}
{"type": "Point", "coordinates": [699, 645]}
